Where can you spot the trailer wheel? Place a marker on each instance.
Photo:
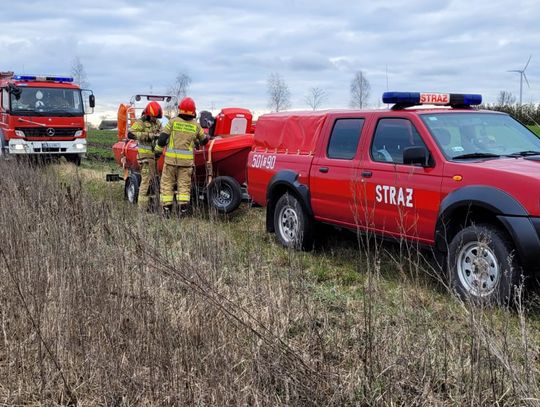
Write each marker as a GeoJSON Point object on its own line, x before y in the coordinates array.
{"type": "Point", "coordinates": [293, 226]}
{"type": "Point", "coordinates": [131, 188]}
{"type": "Point", "coordinates": [224, 194]}
{"type": "Point", "coordinates": [482, 265]}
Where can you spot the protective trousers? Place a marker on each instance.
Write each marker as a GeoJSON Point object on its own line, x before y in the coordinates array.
{"type": "Point", "coordinates": [179, 176]}
{"type": "Point", "coordinates": [149, 187]}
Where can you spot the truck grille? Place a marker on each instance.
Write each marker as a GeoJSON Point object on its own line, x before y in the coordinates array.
{"type": "Point", "coordinates": [48, 131]}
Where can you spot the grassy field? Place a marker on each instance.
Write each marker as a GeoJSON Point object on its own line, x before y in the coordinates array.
{"type": "Point", "coordinates": [103, 304]}
{"type": "Point", "coordinates": [100, 143]}
{"type": "Point", "coordinates": [536, 129]}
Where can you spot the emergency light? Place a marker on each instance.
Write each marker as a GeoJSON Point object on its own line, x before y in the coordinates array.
{"type": "Point", "coordinates": [445, 99]}
{"type": "Point", "coordinates": [43, 78]}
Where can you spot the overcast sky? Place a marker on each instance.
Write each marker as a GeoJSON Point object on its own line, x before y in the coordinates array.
{"type": "Point", "coordinates": [229, 48]}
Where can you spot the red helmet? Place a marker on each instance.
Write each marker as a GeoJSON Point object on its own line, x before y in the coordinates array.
{"type": "Point", "coordinates": [153, 109]}
{"type": "Point", "coordinates": [187, 107]}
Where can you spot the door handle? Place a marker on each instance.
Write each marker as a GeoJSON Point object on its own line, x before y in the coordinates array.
{"type": "Point", "coordinates": [367, 174]}
{"type": "Point", "coordinates": [323, 169]}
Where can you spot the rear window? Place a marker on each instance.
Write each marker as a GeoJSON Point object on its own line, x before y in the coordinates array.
{"type": "Point", "coordinates": [344, 139]}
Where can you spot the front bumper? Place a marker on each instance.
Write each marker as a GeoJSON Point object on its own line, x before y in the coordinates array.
{"type": "Point", "coordinates": [19, 146]}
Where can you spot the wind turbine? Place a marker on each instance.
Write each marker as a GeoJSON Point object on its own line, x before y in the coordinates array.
{"type": "Point", "coordinates": [521, 76]}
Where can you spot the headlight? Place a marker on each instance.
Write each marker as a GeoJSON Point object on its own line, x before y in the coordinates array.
{"type": "Point", "coordinates": [79, 146]}
{"type": "Point", "coordinates": [78, 133]}
{"type": "Point", "coordinates": [19, 133]}
{"type": "Point", "coordinates": [18, 146]}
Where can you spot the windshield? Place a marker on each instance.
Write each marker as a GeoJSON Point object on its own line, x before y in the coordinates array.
{"type": "Point", "coordinates": [473, 135]}
{"type": "Point", "coordinates": [47, 102]}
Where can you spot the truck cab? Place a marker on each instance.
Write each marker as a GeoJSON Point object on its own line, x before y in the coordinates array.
{"type": "Point", "coordinates": [462, 181]}
{"type": "Point", "coordinates": [43, 116]}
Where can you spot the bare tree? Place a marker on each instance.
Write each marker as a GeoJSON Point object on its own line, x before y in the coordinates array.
{"type": "Point", "coordinates": [179, 89]}
{"type": "Point", "coordinates": [316, 97]}
{"type": "Point", "coordinates": [278, 93]}
{"type": "Point", "coordinates": [505, 98]}
{"type": "Point", "coordinates": [360, 89]}
{"type": "Point", "coordinates": [79, 73]}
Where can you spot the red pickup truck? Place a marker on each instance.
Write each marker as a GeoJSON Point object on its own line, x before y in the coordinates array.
{"type": "Point", "coordinates": [463, 181]}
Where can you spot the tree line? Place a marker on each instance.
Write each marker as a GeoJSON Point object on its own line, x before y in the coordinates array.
{"type": "Point", "coordinates": [279, 95]}
{"type": "Point", "coordinates": [527, 113]}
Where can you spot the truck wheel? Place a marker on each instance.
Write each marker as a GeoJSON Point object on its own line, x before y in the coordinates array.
{"type": "Point", "coordinates": [131, 188]}
{"type": "Point", "coordinates": [292, 225]}
{"type": "Point", "coordinates": [74, 158]}
{"type": "Point", "coordinates": [482, 264]}
{"type": "Point", "coordinates": [224, 194]}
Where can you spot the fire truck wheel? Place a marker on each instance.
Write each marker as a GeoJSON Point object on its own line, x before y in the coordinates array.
{"type": "Point", "coordinates": [292, 225]}
{"type": "Point", "coordinates": [482, 265]}
{"type": "Point", "coordinates": [224, 194]}
{"type": "Point", "coordinates": [131, 188]}
{"type": "Point", "coordinates": [74, 158]}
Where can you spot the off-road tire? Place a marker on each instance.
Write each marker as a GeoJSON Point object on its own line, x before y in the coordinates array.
{"type": "Point", "coordinates": [292, 225]}
{"type": "Point", "coordinates": [482, 265]}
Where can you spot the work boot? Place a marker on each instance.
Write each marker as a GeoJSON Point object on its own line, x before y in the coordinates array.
{"type": "Point", "coordinates": [183, 210]}
{"type": "Point", "coordinates": [167, 210]}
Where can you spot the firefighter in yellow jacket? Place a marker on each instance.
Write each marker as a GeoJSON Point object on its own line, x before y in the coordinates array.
{"type": "Point", "coordinates": [180, 136]}
{"type": "Point", "coordinates": [146, 130]}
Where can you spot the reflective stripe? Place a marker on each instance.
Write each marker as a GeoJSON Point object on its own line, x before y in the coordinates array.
{"type": "Point", "coordinates": [166, 198]}
{"type": "Point", "coordinates": [158, 148]}
{"type": "Point", "coordinates": [182, 154]}
{"type": "Point", "coordinates": [144, 149]}
{"type": "Point", "coordinates": [182, 197]}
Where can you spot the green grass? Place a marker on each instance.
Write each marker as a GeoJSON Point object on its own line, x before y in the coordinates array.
{"type": "Point", "coordinates": [536, 129]}
{"type": "Point", "coordinates": [100, 144]}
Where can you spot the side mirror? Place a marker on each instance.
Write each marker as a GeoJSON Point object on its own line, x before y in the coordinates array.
{"type": "Point", "coordinates": [416, 156]}
{"type": "Point", "coordinates": [92, 101]}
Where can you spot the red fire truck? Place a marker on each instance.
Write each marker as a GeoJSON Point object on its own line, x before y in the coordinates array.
{"type": "Point", "coordinates": [43, 116]}
{"type": "Point", "coordinates": [462, 181]}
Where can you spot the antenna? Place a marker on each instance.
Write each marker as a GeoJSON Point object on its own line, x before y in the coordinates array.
{"type": "Point", "coordinates": [521, 76]}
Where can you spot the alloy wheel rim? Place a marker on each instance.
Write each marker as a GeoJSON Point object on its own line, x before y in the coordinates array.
{"type": "Point", "coordinates": [478, 269]}
{"type": "Point", "coordinates": [288, 224]}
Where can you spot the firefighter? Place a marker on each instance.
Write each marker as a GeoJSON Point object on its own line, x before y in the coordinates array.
{"type": "Point", "coordinates": [146, 131]}
{"type": "Point", "coordinates": [181, 135]}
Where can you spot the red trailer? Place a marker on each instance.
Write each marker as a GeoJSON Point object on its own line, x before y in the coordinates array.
{"type": "Point", "coordinates": [220, 166]}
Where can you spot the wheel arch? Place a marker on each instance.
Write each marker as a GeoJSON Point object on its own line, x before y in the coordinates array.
{"type": "Point", "coordinates": [482, 204]}
{"type": "Point", "coordinates": [474, 204]}
{"type": "Point", "coordinates": [281, 183]}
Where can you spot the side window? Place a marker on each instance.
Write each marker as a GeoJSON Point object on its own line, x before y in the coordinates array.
{"type": "Point", "coordinates": [5, 100]}
{"type": "Point", "coordinates": [344, 139]}
{"type": "Point", "coordinates": [392, 136]}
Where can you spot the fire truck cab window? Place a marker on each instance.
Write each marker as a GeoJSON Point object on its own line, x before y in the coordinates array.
{"type": "Point", "coordinates": [392, 136]}
{"type": "Point", "coordinates": [343, 142]}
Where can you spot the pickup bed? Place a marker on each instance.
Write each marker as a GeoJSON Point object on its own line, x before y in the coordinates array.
{"type": "Point", "coordinates": [462, 181]}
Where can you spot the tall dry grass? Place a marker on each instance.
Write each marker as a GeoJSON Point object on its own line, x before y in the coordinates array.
{"type": "Point", "coordinates": [101, 304]}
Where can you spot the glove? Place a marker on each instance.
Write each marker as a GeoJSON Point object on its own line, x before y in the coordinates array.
{"type": "Point", "coordinates": [158, 151]}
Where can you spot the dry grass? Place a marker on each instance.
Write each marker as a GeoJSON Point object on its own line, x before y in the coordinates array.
{"type": "Point", "coordinates": [101, 304]}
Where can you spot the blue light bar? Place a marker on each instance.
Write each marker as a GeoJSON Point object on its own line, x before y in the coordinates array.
{"type": "Point", "coordinates": [43, 78]}
{"type": "Point", "coordinates": [24, 78]}
{"type": "Point", "coordinates": [445, 99]}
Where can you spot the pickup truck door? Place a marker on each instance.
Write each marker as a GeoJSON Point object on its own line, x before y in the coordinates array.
{"type": "Point", "coordinates": [402, 200]}
{"type": "Point", "coordinates": [334, 172]}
